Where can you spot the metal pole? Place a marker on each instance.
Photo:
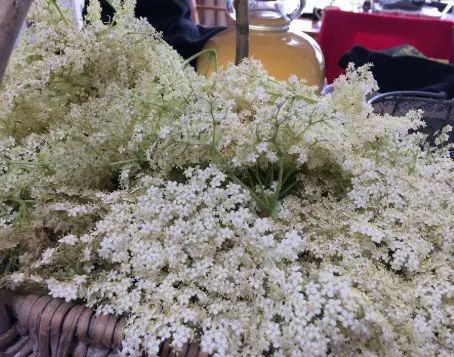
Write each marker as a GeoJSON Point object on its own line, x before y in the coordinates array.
{"type": "Point", "coordinates": [242, 30]}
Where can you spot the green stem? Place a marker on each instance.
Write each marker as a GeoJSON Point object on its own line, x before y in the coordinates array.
{"type": "Point", "coordinates": [277, 124]}
{"type": "Point", "coordinates": [270, 175]}
{"type": "Point", "coordinates": [212, 53]}
{"type": "Point", "coordinates": [111, 5]}
{"type": "Point", "coordinates": [144, 101]}
{"type": "Point", "coordinates": [297, 96]}
{"type": "Point", "coordinates": [22, 163]}
{"type": "Point", "coordinates": [263, 205]}
{"type": "Point", "coordinates": [413, 163]}
{"type": "Point", "coordinates": [306, 99]}
{"type": "Point", "coordinates": [287, 189]}
{"type": "Point", "coordinates": [287, 175]}
{"type": "Point", "coordinates": [279, 180]}
{"type": "Point", "coordinates": [122, 162]}
{"type": "Point", "coordinates": [205, 66]}
{"type": "Point", "coordinates": [260, 202]}
{"type": "Point", "coordinates": [396, 153]}
{"type": "Point", "coordinates": [251, 180]}
{"type": "Point", "coordinates": [60, 12]}
{"type": "Point", "coordinates": [257, 176]}
{"type": "Point", "coordinates": [16, 199]}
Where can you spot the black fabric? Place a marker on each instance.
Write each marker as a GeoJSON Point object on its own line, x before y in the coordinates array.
{"type": "Point", "coordinates": [173, 19]}
{"type": "Point", "coordinates": [403, 72]}
{"type": "Point", "coordinates": [407, 5]}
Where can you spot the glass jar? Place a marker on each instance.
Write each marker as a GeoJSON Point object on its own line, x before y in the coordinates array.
{"type": "Point", "coordinates": [283, 52]}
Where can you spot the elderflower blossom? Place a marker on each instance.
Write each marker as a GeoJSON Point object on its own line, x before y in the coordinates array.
{"type": "Point", "coordinates": [69, 239]}
{"type": "Point", "coordinates": [248, 215]}
{"type": "Point", "coordinates": [214, 254]}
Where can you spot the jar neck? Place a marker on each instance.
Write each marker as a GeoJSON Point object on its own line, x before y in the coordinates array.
{"type": "Point", "coordinates": [264, 28]}
{"type": "Point", "coordinates": [268, 22]}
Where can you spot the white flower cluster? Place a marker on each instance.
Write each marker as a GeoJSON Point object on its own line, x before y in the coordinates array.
{"type": "Point", "coordinates": [248, 215]}
{"type": "Point", "coordinates": [183, 257]}
{"type": "Point", "coordinates": [76, 109]}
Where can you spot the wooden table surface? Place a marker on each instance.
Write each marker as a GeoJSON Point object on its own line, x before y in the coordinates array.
{"type": "Point", "coordinates": [306, 25]}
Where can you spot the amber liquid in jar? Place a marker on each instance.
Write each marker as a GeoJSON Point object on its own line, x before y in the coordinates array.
{"type": "Point", "coordinates": [282, 52]}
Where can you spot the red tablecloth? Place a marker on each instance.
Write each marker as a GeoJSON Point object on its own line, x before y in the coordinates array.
{"type": "Point", "coordinates": [341, 30]}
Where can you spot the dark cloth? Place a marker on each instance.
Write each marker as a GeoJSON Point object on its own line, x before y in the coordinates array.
{"type": "Point", "coordinates": [395, 73]}
{"type": "Point", "coordinates": [173, 19]}
{"type": "Point", "coordinates": [407, 5]}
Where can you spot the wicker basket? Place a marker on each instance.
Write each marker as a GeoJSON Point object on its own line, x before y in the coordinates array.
{"type": "Point", "coordinates": [40, 326]}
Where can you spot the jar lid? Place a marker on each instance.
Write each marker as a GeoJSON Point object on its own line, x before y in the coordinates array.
{"type": "Point", "coordinates": [270, 15]}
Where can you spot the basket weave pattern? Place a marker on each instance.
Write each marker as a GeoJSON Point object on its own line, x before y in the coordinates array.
{"type": "Point", "coordinates": [41, 326]}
